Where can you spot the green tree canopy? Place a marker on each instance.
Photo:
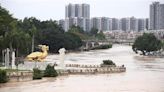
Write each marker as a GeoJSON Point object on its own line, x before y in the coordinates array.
{"type": "Point", "coordinates": [11, 36]}
{"type": "Point", "coordinates": [76, 29]}
{"type": "Point", "coordinates": [17, 39]}
{"type": "Point", "coordinates": [79, 32]}
{"type": "Point", "coordinates": [100, 36]}
{"type": "Point", "coordinates": [147, 43]}
{"type": "Point", "coordinates": [94, 31]}
{"type": "Point", "coordinates": [57, 41]}
{"type": "Point", "coordinates": [5, 20]}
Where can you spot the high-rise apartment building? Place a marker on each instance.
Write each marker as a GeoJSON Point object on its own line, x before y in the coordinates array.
{"type": "Point", "coordinates": [95, 23]}
{"type": "Point", "coordinates": [101, 23]}
{"type": "Point", "coordinates": [68, 23]}
{"type": "Point", "coordinates": [77, 10]}
{"type": "Point", "coordinates": [156, 16]}
{"type": "Point", "coordinates": [143, 24]}
{"type": "Point", "coordinates": [104, 23]}
{"type": "Point", "coordinates": [115, 24]}
{"type": "Point", "coordinates": [84, 23]}
{"type": "Point", "coordinates": [85, 11]}
{"type": "Point", "coordinates": [124, 24]}
{"type": "Point", "coordinates": [133, 24]}
{"type": "Point", "coordinates": [78, 15]}
{"type": "Point", "coordinates": [110, 24]}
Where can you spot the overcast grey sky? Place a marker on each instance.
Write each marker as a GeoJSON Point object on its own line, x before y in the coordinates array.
{"type": "Point", "coordinates": [55, 9]}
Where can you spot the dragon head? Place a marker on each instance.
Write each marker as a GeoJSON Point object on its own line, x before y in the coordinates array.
{"type": "Point", "coordinates": [43, 47]}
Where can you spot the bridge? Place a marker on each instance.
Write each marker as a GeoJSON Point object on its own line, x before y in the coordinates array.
{"type": "Point", "coordinates": [93, 43]}
{"type": "Point", "coordinates": [122, 41]}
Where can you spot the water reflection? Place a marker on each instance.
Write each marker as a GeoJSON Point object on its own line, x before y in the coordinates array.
{"type": "Point", "coordinates": [144, 74]}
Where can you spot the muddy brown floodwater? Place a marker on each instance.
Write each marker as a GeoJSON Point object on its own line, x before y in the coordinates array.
{"type": "Point", "coordinates": [144, 74]}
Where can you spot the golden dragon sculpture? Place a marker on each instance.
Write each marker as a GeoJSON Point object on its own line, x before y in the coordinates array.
{"type": "Point", "coordinates": [38, 56]}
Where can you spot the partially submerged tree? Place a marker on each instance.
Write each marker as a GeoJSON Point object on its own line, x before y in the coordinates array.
{"type": "Point", "coordinates": [146, 43]}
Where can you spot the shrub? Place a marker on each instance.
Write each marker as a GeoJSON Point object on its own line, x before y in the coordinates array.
{"type": "Point", "coordinates": [108, 62]}
{"type": "Point", "coordinates": [37, 74]}
{"type": "Point", "coordinates": [50, 71]}
{"type": "Point", "coordinates": [3, 76]}
{"type": "Point", "coordinates": [105, 46]}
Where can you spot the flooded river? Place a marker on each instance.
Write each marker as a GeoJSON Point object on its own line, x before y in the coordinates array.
{"type": "Point", "coordinates": [144, 74]}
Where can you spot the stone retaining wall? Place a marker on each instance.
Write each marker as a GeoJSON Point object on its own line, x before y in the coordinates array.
{"type": "Point", "coordinates": [16, 76]}
{"type": "Point", "coordinates": [20, 76]}
{"type": "Point", "coordinates": [91, 70]}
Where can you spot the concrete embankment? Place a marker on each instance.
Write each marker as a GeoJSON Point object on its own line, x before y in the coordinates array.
{"type": "Point", "coordinates": [91, 69]}
{"type": "Point", "coordinates": [17, 76]}
{"type": "Point", "coordinates": [70, 69]}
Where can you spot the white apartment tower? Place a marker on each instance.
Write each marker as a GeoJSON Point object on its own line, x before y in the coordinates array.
{"type": "Point", "coordinates": [156, 16]}
{"type": "Point", "coordinates": [78, 15]}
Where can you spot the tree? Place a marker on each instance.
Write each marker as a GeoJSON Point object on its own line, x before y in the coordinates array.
{"type": "Point", "coordinates": [93, 31]}
{"type": "Point", "coordinates": [72, 41]}
{"type": "Point", "coordinates": [162, 45]}
{"type": "Point", "coordinates": [79, 32]}
{"type": "Point", "coordinates": [100, 36]}
{"type": "Point", "coordinates": [11, 35]}
{"type": "Point", "coordinates": [5, 20]}
{"type": "Point", "coordinates": [146, 43]}
{"type": "Point", "coordinates": [76, 29]}
{"type": "Point", "coordinates": [55, 41]}
{"type": "Point", "coordinates": [17, 39]}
